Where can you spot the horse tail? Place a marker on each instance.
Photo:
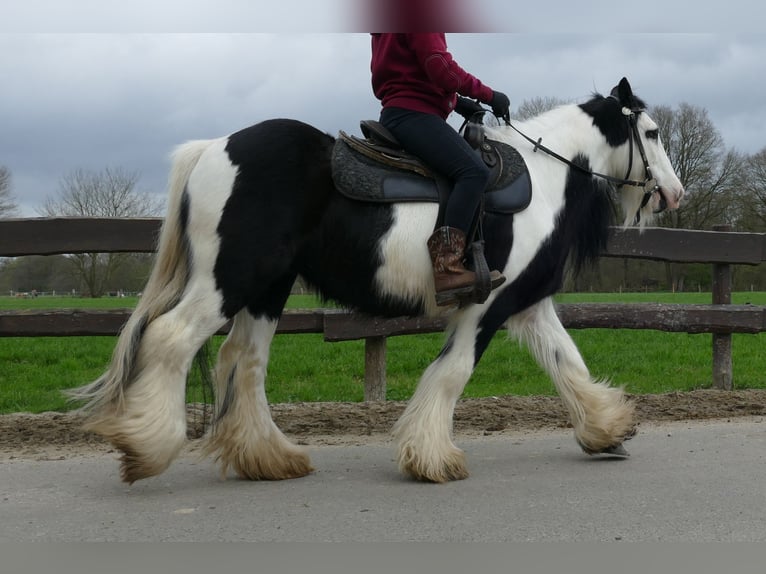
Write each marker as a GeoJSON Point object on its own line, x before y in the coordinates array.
{"type": "Point", "coordinates": [163, 290]}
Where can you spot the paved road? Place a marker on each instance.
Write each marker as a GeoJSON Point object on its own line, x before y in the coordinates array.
{"type": "Point", "coordinates": [683, 482]}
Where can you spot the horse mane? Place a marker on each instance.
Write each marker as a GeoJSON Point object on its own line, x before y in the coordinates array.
{"type": "Point", "coordinates": [592, 239]}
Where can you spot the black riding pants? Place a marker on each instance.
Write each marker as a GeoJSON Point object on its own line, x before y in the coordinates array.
{"type": "Point", "coordinates": [445, 151]}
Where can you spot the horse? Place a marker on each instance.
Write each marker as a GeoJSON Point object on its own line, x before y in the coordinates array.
{"type": "Point", "coordinates": [249, 212]}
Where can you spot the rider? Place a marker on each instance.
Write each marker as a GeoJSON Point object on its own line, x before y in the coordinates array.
{"type": "Point", "coordinates": [418, 83]}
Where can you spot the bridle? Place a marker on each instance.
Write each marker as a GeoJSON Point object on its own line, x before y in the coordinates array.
{"type": "Point", "coordinates": [648, 184]}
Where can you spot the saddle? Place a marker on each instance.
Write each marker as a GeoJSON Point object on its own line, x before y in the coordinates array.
{"type": "Point", "coordinates": [377, 169]}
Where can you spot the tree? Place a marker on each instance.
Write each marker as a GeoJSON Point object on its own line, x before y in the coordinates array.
{"type": "Point", "coordinates": [109, 193]}
{"type": "Point", "coordinates": [708, 172]}
{"type": "Point", "coordinates": [41, 273]}
{"type": "Point", "coordinates": [536, 106]}
{"type": "Point", "coordinates": [8, 206]}
{"type": "Point", "coordinates": [753, 193]}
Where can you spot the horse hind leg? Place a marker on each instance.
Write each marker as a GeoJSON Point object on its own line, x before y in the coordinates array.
{"type": "Point", "coordinates": [149, 423]}
{"type": "Point", "coordinates": [244, 437]}
{"type": "Point", "coordinates": [602, 417]}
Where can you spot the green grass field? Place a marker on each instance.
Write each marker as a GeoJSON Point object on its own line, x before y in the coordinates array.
{"type": "Point", "coordinates": [33, 371]}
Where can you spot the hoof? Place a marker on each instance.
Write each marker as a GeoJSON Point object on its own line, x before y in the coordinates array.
{"type": "Point", "coordinates": [438, 477]}
{"type": "Point", "coordinates": [134, 466]}
{"type": "Point", "coordinates": [438, 471]}
{"type": "Point", "coordinates": [142, 455]}
{"type": "Point", "coordinates": [273, 458]}
{"type": "Point", "coordinates": [616, 450]}
{"type": "Point", "coordinates": [296, 466]}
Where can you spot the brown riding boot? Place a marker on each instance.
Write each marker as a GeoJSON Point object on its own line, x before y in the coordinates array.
{"type": "Point", "coordinates": [452, 280]}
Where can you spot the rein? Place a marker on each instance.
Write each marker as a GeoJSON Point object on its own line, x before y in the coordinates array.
{"type": "Point", "coordinates": [631, 115]}
{"type": "Point", "coordinates": [649, 183]}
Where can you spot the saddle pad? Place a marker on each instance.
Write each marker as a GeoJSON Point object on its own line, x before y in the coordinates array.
{"type": "Point", "coordinates": [361, 178]}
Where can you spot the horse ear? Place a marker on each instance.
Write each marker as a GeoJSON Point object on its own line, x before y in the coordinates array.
{"type": "Point", "coordinates": [623, 92]}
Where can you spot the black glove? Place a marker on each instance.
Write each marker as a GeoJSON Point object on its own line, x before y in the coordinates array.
{"type": "Point", "coordinates": [467, 107]}
{"type": "Point", "coordinates": [501, 106]}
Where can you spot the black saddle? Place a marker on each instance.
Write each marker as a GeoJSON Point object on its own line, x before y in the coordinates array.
{"type": "Point", "coordinates": [377, 169]}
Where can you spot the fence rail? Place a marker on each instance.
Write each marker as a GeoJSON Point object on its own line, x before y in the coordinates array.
{"type": "Point", "coordinates": [346, 326]}
{"type": "Point", "coordinates": [721, 249]}
{"type": "Point", "coordinates": [66, 235]}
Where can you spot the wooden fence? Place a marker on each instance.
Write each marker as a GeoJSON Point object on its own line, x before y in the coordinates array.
{"type": "Point", "coordinates": [720, 248]}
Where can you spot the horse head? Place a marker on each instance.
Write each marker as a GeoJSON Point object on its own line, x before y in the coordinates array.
{"type": "Point", "coordinates": [651, 184]}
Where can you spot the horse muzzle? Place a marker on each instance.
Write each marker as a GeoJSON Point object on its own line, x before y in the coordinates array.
{"type": "Point", "coordinates": [668, 199]}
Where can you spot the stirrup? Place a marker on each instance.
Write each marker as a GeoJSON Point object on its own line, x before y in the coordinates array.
{"type": "Point", "coordinates": [485, 283]}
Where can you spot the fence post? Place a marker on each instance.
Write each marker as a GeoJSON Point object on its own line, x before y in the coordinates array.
{"type": "Point", "coordinates": [722, 362]}
{"type": "Point", "coordinates": [375, 369]}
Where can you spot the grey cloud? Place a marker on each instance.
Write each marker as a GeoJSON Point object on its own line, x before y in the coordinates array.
{"type": "Point", "coordinates": [98, 100]}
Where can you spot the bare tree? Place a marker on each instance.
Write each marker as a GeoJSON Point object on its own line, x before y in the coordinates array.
{"type": "Point", "coordinates": [536, 106]}
{"type": "Point", "coordinates": [109, 193]}
{"type": "Point", "coordinates": [8, 207]}
{"type": "Point", "coordinates": [753, 193]}
{"type": "Point", "coordinates": [708, 172]}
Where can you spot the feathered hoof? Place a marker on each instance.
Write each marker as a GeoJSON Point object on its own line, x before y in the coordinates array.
{"type": "Point", "coordinates": [616, 449]}
{"type": "Point", "coordinates": [295, 466]}
{"type": "Point", "coordinates": [275, 459]}
{"type": "Point", "coordinates": [143, 455]}
{"type": "Point", "coordinates": [134, 466]}
{"type": "Point", "coordinates": [446, 469]}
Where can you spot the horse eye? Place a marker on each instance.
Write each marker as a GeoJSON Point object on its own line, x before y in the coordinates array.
{"type": "Point", "coordinates": [653, 134]}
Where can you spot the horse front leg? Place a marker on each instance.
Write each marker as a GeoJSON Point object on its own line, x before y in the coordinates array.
{"type": "Point", "coordinates": [425, 450]}
{"type": "Point", "coordinates": [602, 417]}
{"type": "Point", "coordinates": [244, 436]}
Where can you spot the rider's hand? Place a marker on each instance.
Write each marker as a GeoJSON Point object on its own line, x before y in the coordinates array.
{"type": "Point", "coordinates": [467, 107]}
{"type": "Point", "coordinates": [501, 106]}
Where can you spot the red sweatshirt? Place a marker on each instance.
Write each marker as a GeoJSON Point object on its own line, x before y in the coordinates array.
{"type": "Point", "coordinates": [416, 72]}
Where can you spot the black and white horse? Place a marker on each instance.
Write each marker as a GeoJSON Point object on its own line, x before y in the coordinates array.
{"type": "Point", "coordinates": [250, 212]}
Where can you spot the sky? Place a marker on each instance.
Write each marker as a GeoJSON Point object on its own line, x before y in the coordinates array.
{"type": "Point", "coordinates": [107, 84]}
